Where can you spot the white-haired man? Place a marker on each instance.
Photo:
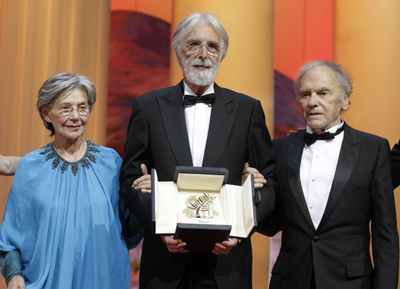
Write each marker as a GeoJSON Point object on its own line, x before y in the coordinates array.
{"type": "Point", "coordinates": [184, 125]}
{"type": "Point", "coordinates": [334, 194]}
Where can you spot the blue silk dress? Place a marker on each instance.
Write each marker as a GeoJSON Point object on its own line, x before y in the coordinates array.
{"type": "Point", "coordinates": [64, 219]}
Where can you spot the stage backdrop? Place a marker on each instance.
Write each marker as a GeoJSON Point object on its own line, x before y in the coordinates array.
{"type": "Point", "coordinates": [39, 38]}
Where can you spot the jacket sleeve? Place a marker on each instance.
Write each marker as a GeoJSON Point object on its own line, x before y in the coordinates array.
{"type": "Point", "coordinates": [385, 244]}
{"type": "Point", "coordinates": [11, 264]}
{"type": "Point", "coordinates": [137, 151]}
{"type": "Point", "coordinates": [395, 162]}
{"type": "Point", "coordinates": [262, 157]}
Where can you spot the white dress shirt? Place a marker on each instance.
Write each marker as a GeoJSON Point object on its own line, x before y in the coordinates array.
{"type": "Point", "coordinates": [197, 123]}
{"type": "Point", "coordinates": [317, 170]}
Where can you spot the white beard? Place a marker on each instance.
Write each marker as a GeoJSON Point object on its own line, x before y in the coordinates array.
{"type": "Point", "coordinates": [198, 77]}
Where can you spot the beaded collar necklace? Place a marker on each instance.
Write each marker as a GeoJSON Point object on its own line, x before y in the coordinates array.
{"type": "Point", "coordinates": [50, 153]}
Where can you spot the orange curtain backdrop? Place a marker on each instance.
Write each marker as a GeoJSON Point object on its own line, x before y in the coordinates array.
{"type": "Point", "coordinates": [41, 38]}
{"type": "Point", "coordinates": [367, 42]}
{"type": "Point", "coordinates": [247, 68]}
{"type": "Point", "coordinates": [161, 9]}
{"type": "Point", "coordinates": [303, 32]}
{"type": "Point", "coordinates": [38, 39]}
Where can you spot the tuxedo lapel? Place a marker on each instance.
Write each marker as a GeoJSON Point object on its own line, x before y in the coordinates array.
{"type": "Point", "coordinates": [222, 116]}
{"type": "Point", "coordinates": [294, 153]}
{"type": "Point", "coordinates": [173, 115]}
{"type": "Point", "coordinates": [347, 160]}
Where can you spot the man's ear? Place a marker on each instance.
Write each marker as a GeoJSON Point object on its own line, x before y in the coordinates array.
{"type": "Point", "coordinates": [45, 113]}
{"type": "Point", "coordinates": [345, 103]}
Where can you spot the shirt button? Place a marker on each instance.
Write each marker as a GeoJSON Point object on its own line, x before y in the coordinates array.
{"type": "Point", "coordinates": [315, 239]}
{"type": "Point", "coordinates": [313, 180]}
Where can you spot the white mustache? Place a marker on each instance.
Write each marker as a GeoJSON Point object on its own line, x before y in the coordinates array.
{"type": "Point", "coordinates": [205, 62]}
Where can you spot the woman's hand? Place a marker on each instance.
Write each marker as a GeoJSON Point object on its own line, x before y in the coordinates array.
{"type": "Point", "coordinates": [259, 179]}
{"type": "Point", "coordinates": [16, 282]}
{"type": "Point", "coordinates": [144, 182]}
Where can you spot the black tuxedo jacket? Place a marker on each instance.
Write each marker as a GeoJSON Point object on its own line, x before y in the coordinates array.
{"type": "Point", "coordinates": [157, 136]}
{"type": "Point", "coordinates": [361, 197]}
{"type": "Point", "coordinates": [395, 158]}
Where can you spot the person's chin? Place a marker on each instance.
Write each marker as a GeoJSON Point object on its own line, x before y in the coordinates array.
{"type": "Point", "coordinates": [314, 118]}
{"type": "Point", "coordinates": [315, 125]}
{"type": "Point", "coordinates": [201, 81]}
{"type": "Point", "coordinates": [76, 132]}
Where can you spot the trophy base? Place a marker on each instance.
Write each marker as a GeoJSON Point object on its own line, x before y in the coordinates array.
{"type": "Point", "coordinates": [202, 237]}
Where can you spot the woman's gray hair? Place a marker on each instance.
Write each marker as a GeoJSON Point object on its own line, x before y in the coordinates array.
{"type": "Point", "coordinates": [343, 77]}
{"type": "Point", "coordinates": [59, 84]}
{"type": "Point", "coordinates": [190, 22]}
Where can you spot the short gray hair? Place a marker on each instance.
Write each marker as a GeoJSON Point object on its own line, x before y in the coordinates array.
{"type": "Point", "coordinates": [343, 77]}
{"type": "Point", "coordinates": [57, 86]}
{"type": "Point", "coordinates": [190, 22]}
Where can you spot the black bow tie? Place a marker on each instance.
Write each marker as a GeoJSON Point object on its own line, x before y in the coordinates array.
{"type": "Point", "coordinates": [311, 138]}
{"type": "Point", "coordinates": [190, 100]}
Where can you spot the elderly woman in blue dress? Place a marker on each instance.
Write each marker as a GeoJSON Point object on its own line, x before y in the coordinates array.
{"type": "Point", "coordinates": [61, 226]}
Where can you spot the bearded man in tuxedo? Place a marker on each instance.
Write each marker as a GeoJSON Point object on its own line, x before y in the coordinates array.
{"type": "Point", "coordinates": [195, 123]}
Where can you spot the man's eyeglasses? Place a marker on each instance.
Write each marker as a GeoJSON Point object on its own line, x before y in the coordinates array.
{"type": "Point", "coordinates": [66, 110]}
{"type": "Point", "coordinates": [194, 47]}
